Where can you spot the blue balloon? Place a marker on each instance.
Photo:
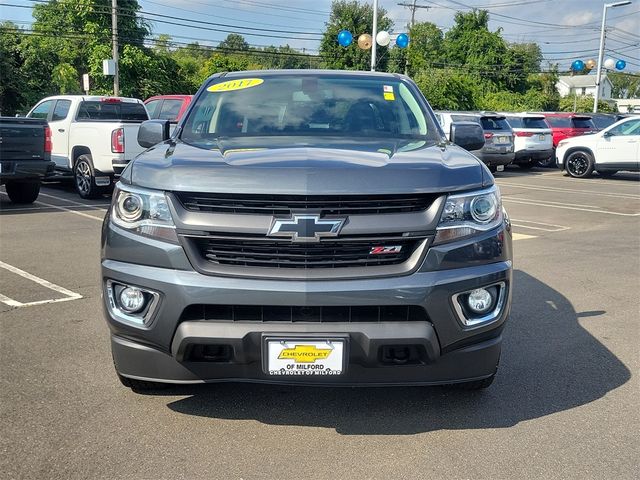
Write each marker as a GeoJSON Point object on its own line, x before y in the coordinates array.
{"type": "Point", "coordinates": [577, 66]}
{"type": "Point", "coordinates": [345, 38]}
{"type": "Point", "coordinates": [620, 65]}
{"type": "Point", "coordinates": [402, 40]}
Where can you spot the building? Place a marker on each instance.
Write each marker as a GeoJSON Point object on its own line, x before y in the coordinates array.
{"type": "Point", "coordinates": [628, 105]}
{"type": "Point", "coordinates": [584, 85]}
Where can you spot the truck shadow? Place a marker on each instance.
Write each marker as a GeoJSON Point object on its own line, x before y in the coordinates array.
{"type": "Point", "coordinates": [550, 363]}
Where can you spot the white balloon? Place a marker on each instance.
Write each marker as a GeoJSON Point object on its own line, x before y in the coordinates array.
{"type": "Point", "coordinates": [383, 38]}
{"type": "Point", "coordinates": [609, 64]}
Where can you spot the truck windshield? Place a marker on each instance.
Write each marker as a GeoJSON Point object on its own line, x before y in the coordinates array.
{"type": "Point", "coordinates": [112, 111]}
{"type": "Point", "coordinates": [307, 105]}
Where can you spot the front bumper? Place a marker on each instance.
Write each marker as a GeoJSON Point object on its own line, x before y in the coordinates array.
{"type": "Point", "coordinates": [451, 352]}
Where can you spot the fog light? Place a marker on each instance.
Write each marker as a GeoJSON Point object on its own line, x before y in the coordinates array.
{"type": "Point", "coordinates": [131, 299]}
{"type": "Point", "coordinates": [479, 300]}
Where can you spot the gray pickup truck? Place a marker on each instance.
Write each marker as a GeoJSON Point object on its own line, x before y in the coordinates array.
{"type": "Point", "coordinates": [25, 157]}
{"type": "Point", "coordinates": [307, 227]}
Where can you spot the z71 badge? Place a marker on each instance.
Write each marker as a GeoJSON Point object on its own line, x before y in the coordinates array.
{"type": "Point", "coordinates": [381, 250]}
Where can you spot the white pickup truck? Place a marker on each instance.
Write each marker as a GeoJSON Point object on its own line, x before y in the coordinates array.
{"type": "Point", "coordinates": [93, 137]}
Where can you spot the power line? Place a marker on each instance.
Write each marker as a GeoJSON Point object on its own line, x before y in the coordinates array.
{"type": "Point", "coordinates": [413, 7]}
{"type": "Point", "coordinates": [213, 16]}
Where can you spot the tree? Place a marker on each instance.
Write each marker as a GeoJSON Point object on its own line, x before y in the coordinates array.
{"type": "Point", "coordinates": [234, 42]}
{"type": "Point", "coordinates": [285, 57]}
{"type": "Point", "coordinates": [584, 104]}
{"type": "Point", "coordinates": [425, 49]}
{"type": "Point", "coordinates": [470, 44]}
{"type": "Point", "coordinates": [357, 18]}
{"type": "Point", "coordinates": [447, 89]}
{"type": "Point", "coordinates": [522, 60]}
{"type": "Point", "coordinates": [625, 85]}
{"type": "Point", "coordinates": [12, 76]}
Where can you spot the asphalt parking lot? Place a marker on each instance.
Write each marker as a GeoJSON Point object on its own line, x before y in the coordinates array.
{"type": "Point", "coordinates": [564, 405]}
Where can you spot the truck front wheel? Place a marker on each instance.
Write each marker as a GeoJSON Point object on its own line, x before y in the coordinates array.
{"type": "Point", "coordinates": [22, 191]}
{"type": "Point", "coordinates": [84, 177]}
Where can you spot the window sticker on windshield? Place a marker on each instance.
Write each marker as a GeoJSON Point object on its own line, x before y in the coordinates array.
{"type": "Point", "coordinates": [239, 84]}
{"type": "Point", "coordinates": [388, 93]}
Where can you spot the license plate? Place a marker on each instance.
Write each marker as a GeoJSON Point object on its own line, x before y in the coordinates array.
{"type": "Point", "coordinates": [541, 137]}
{"type": "Point", "coordinates": [304, 357]}
{"type": "Point", "coordinates": [500, 168]}
{"type": "Point", "coordinates": [503, 140]}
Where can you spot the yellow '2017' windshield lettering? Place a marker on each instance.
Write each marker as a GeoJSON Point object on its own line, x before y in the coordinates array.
{"type": "Point", "coordinates": [232, 85]}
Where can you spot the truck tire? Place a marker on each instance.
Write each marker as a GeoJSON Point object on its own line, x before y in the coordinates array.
{"type": "Point", "coordinates": [579, 164]}
{"type": "Point", "coordinates": [84, 177]}
{"type": "Point", "coordinates": [141, 385]}
{"type": "Point", "coordinates": [23, 191]}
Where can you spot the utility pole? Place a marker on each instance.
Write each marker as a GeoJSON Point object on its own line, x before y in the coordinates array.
{"type": "Point", "coordinates": [413, 6]}
{"type": "Point", "coordinates": [374, 33]}
{"type": "Point", "coordinates": [601, 49]}
{"type": "Point", "coordinates": [114, 35]}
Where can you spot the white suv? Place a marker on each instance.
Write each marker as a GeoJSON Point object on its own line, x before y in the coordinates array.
{"type": "Point", "coordinates": [613, 149]}
{"type": "Point", "coordinates": [533, 139]}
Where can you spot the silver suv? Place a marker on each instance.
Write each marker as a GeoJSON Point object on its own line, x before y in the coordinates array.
{"type": "Point", "coordinates": [498, 149]}
{"type": "Point", "coordinates": [307, 227]}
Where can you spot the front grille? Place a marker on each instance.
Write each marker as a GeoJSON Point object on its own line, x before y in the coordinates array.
{"type": "Point", "coordinates": [285, 204]}
{"type": "Point", "coordinates": [263, 251]}
{"type": "Point", "coordinates": [277, 313]}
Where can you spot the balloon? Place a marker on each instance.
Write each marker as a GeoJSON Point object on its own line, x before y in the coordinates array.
{"type": "Point", "coordinates": [620, 64]}
{"type": "Point", "coordinates": [364, 41]}
{"type": "Point", "coordinates": [345, 38]}
{"type": "Point", "coordinates": [609, 63]}
{"type": "Point", "coordinates": [591, 64]}
{"type": "Point", "coordinates": [577, 66]}
{"type": "Point", "coordinates": [383, 38]}
{"type": "Point", "coordinates": [402, 40]}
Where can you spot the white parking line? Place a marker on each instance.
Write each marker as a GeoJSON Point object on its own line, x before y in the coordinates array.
{"type": "Point", "coordinates": [69, 295]}
{"type": "Point", "coordinates": [570, 190]}
{"type": "Point", "coordinates": [522, 236]}
{"type": "Point", "coordinates": [518, 197]}
{"type": "Point", "coordinates": [546, 227]}
{"type": "Point", "coordinates": [57, 207]}
{"type": "Point", "coordinates": [591, 210]}
{"type": "Point", "coordinates": [76, 203]}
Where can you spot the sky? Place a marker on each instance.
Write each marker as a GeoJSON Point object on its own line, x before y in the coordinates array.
{"type": "Point", "coordinates": [566, 30]}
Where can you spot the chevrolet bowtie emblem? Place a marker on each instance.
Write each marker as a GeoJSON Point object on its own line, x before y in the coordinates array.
{"type": "Point", "coordinates": [306, 227]}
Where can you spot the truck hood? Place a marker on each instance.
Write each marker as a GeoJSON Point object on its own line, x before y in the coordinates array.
{"type": "Point", "coordinates": [304, 166]}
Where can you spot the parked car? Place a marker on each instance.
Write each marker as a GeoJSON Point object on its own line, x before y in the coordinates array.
{"type": "Point", "coordinates": [168, 107]}
{"type": "Point", "coordinates": [604, 120]}
{"type": "Point", "coordinates": [613, 149]}
{"type": "Point", "coordinates": [566, 125]}
{"type": "Point", "coordinates": [25, 157]}
{"type": "Point", "coordinates": [310, 227]}
{"type": "Point", "coordinates": [533, 139]}
{"type": "Point", "coordinates": [93, 137]}
{"type": "Point", "coordinates": [498, 149]}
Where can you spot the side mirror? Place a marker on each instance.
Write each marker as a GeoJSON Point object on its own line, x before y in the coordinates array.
{"type": "Point", "coordinates": [468, 135]}
{"type": "Point", "coordinates": [152, 132]}
{"type": "Point", "coordinates": [607, 134]}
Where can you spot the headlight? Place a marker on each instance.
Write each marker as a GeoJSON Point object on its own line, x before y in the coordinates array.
{"type": "Point", "coordinates": [467, 214]}
{"type": "Point", "coordinates": [143, 211]}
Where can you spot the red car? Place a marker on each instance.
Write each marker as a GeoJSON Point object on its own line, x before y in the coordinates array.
{"type": "Point", "coordinates": [565, 125]}
{"type": "Point", "coordinates": [168, 107]}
